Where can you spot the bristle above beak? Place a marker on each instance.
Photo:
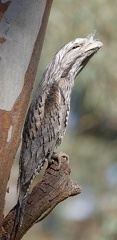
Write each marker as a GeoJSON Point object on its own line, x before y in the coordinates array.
{"type": "Point", "coordinates": [93, 43]}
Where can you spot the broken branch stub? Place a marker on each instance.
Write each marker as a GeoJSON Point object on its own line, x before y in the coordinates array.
{"type": "Point", "coordinates": [55, 187]}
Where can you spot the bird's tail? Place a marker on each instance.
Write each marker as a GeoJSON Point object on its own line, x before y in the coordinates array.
{"type": "Point", "coordinates": [19, 214]}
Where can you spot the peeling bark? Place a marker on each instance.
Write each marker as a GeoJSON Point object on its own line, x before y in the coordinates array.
{"type": "Point", "coordinates": [3, 8]}
{"type": "Point", "coordinates": [55, 187]}
{"type": "Point", "coordinates": [22, 31]}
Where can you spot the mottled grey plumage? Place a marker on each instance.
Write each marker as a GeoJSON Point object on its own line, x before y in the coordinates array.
{"type": "Point", "coordinates": [47, 116]}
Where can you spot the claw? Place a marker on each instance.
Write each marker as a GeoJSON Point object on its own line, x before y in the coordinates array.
{"type": "Point", "coordinates": [58, 157]}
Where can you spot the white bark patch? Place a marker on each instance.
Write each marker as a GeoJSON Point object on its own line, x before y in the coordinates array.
{"type": "Point", "coordinates": [9, 133]}
{"type": "Point", "coordinates": [19, 27]}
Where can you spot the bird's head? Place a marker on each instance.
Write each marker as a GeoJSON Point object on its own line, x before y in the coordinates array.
{"type": "Point", "coordinates": [73, 57]}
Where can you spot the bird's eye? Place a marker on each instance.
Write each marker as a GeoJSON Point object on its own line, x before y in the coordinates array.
{"type": "Point", "coordinates": [75, 47]}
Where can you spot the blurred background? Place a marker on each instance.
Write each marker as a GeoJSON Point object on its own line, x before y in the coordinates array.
{"type": "Point", "coordinates": [91, 138]}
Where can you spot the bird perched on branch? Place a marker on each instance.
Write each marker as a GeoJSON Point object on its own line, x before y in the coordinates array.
{"type": "Point", "coordinates": [47, 117]}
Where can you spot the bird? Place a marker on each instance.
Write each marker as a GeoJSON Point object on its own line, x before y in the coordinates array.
{"type": "Point", "coordinates": [47, 117]}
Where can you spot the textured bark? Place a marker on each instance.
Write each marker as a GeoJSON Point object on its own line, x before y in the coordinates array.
{"type": "Point", "coordinates": [55, 187]}
{"type": "Point", "coordinates": [22, 30]}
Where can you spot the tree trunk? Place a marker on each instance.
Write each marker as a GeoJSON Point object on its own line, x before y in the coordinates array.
{"type": "Point", "coordinates": [22, 30]}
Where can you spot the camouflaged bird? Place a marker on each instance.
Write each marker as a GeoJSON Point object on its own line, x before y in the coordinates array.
{"type": "Point", "coordinates": [47, 117]}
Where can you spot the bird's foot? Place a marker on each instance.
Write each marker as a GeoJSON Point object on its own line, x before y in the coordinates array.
{"type": "Point", "coordinates": [58, 158]}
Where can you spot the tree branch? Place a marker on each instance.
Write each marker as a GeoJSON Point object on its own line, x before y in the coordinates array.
{"type": "Point", "coordinates": [55, 187]}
